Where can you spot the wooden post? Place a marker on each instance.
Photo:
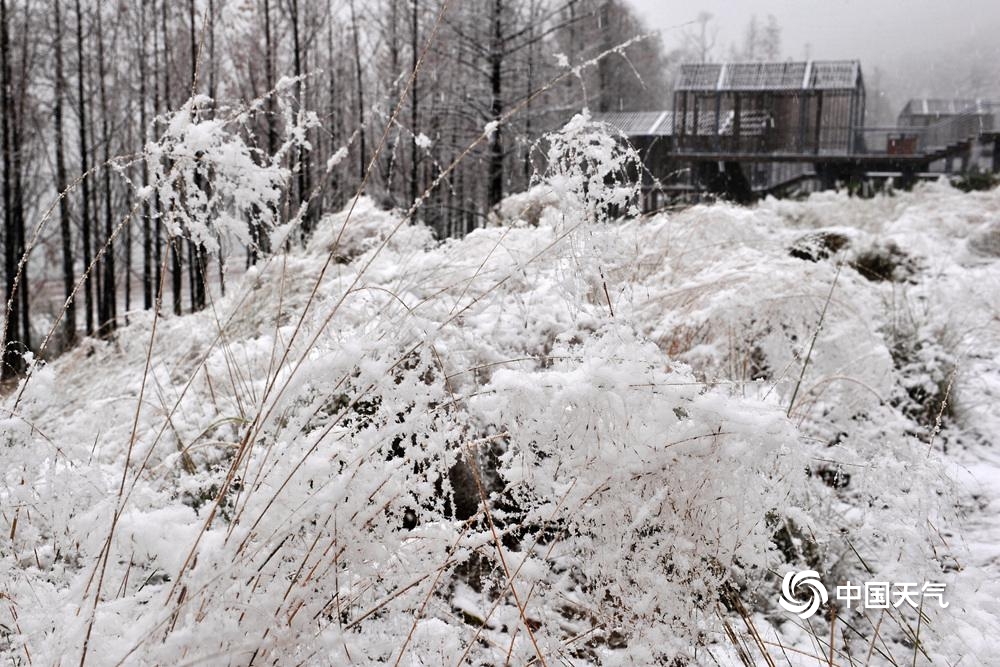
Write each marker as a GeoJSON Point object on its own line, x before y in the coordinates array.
{"type": "Point", "coordinates": [803, 101]}
{"type": "Point", "coordinates": [695, 125]}
{"type": "Point", "coordinates": [826, 175]}
{"type": "Point", "coordinates": [684, 114]}
{"type": "Point", "coordinates": [859, 122]}
{"type": "Point", "coordinates": [737, 129]}
{"type": "Point", "coordinates": [716, 139]}
{"type": "Point", "coordinates": [673, 118]}
{"type": "Point", "coordinates": [851, 113]}
{"type": "Point", "coordinates": [819, 119]}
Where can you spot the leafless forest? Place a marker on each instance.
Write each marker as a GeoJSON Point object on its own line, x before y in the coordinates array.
{"type": "Point", "coordinates": [87, 84]}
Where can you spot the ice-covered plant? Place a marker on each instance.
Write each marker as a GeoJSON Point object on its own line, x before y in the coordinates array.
{"type": "Point", "coordinates": [591, 169]}
{"type": "Point", "coordinates": [458, 455]}
{"type": "Point", "coordinates": [644, 496]}
{"type": "Point", "coordinates": [210, 185]}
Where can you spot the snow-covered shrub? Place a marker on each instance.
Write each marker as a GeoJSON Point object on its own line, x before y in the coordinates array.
{"type": "Point", "coordinates": [526, 208]}
{"type": "Point", "coordinates": [977, 179]}
{"type": "Point", "coordinates": [987, 240]}
{"type": "Point", "coordinates": [591, 440]}
{"type": "Point", "coordinates": [348, 234]}
{"type": "Point", "coordinates": [210, 185]}
{"type": "Point", "coordinates": [818, 246]}
{"type": "Point", "coordinates": [586, 172]}
{"type": "Point", "coordinates": [591, 171]}
{"type": "Point", "coordinates": [643, 495]}
{"type": "Point", "coordinates": [927, 371]}
{"type": "Point", "coordinates": [883, 261]}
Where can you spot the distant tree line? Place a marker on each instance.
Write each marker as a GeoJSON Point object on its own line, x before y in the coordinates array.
{"type": "Point", "coordinates": [85, 84]}
{"type": "Point", "coordinates": [699, 41]}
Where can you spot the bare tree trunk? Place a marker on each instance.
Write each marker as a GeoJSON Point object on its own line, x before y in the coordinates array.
{"type": "Point", "coordinates": [108, 322]}
{"type": "Point", "coordinates": [197, 257]}
{"type": "Point", "coordinates": [147, 239]}
{"type": "Point", "coordinates": [272, 123]}
{"type": "Point", "coordinates": [603, 74]}
{"type": "Point", "coordinates": [85, 231]}
{"type": "Point", "coordinates": [300, 92]}
{"type": "Point", "coordinates": [97, 275]}
{"type": "Point", "coordinates": [212, 92]}
{"type": "Point", "coordinates": [127, 270]}
{"type": "Point", "coordinates": [392, 149]}
{"type": "Point", "coordinates": [158, 222]}
{"type": "Point", "coordinates": [359, 80]}
{"type": "Point", "coordinates": [176, 270]}
{"type": "Point", "coordinates": [190, 246]}
{"type": "Point", "coordinates": [335, 110]}
{"type": "Point", "coordinates": [414, 102]}
{"type": "Point", "coordinates": [529, 85]}
{"type": "Point", "coordinates": [65, 228]}
{"type": "Point", "coordinates": [23, 290]}
{"type": "Point", "coordinates": [13, 345]}
{"type": "Point", "coordinates": [495, 58]}
{"type": "Point", "coordinates": [193, 35]}
{"type": "Point", "coordinates": [259, 242]}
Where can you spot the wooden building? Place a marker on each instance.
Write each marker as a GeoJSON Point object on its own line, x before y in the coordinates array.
{"type": "Point", "coordinates": [745, 130]}
{"type": "Point", "coordinates": [814, 107]}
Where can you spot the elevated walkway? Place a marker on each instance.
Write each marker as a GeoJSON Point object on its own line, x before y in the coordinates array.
{"type": "Point", "coordinates": [899, 148]}
{"type": "Point", "coordinates": [739, 159]}
{"type": "Point", "coordinates": [884, 148]}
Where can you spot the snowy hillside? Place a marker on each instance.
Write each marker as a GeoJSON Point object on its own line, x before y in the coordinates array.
{"type": "Point", "coordinates": [570, 442]}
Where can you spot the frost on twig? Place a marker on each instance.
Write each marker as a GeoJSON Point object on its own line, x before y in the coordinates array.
{"type": "Point", "coordinates": [591, 170]}
{"type": "Point", "coordinates": [210, 185]}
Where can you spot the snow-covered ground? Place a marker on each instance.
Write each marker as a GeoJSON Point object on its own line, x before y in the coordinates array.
{"type": "Point", "coordinates": [666, 415]}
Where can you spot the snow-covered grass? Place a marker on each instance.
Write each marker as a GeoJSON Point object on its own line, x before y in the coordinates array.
{"type": "Point", "coordinates": [572, 441]}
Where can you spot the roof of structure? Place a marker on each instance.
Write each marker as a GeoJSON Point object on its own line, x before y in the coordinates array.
{"type": "Point", "coordinates": [943, 107]}
{"type": "Point", "coordinates": [639, 123]}
{"type": "Point", "coordinates": [661, 123]}
{"type": "Point", "coordinates": [808, 75]}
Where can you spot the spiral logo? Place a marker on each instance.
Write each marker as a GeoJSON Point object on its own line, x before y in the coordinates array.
{"type": "Point", "coordinates": [808, 579]}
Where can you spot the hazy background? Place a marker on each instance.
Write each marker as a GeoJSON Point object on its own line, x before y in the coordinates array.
{"type": "Point", "coordinates": [908, 48]}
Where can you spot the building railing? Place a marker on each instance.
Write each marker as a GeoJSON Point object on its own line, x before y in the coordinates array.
{"type": "Point", "coordinates": [883, 141]}
{"type": "Point", "coordinates": [957, 129]}
{"type": "Point", "coordinates": [945, 133]}
{"type": "Point", "coordinates": [889, 141]}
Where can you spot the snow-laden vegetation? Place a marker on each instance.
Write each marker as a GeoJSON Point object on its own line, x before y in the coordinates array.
{"type": "Point", "coordinates": [562, 439]}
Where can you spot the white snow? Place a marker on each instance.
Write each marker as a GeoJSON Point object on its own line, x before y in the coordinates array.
{"type": "Point", "coordinates": [423, 141]}
{"type": "Point", "coordinates": [636, 378]}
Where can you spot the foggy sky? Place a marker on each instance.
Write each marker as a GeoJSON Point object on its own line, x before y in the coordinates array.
{"type": "Point", "coordinates": [881, 33]}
